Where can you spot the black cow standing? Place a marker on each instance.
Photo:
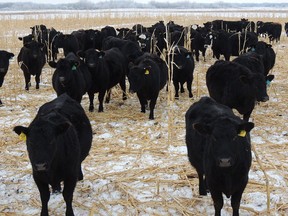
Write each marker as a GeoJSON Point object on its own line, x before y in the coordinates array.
{"type": "Point", "coordinates": [183, 68]}
{"type": "Point", "coordinates": [130, 49]}
{"type": "Point", "coordinates": [236, 90]}
{"type": "Point", "coordinates": [146, 79]}
{"type": "Point", "coordinates": [107, 69]}
{"type": "Point", "coordinates": [254, 62]}
{"type": "Point", "coordinates": [68, 42]}
{"type": "Point", "coordinates": [286, 28]}
{"type": "Point", "coordinates": [198, 40]}
{"type": "Point", "coordinates": [31, 60]}
{"type": "Point", "coordinates": [71, 76]}
{"type": "Point", "coordinates": [5, 56]}
{"type": "Point", "coordinates": [267, 53]}
{"type": "Point", "coordinates": [219, 147]}
{"type": "Point", "coordinates": [58, 140]}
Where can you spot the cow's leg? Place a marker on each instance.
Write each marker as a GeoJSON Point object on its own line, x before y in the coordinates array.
{"type": "Point", "coordinates": [189, 87]}
{"type": "Point", "coordinates": [235, 202]}
{"type": "Point", "coordinates": [176, 86]}
{"type": "Point", "coordinates": [101, 99]}
{"type": "Point", "coordinates": [152, 106]}
{"type": "Point", "coordinates": [44, 195]}
{"type": "Point", "coordinates": [197, 55]}
{"type": "Point", "coordinates": [80, 174]}
{"type": "Point", "coordinates": [123, 87]}
{"type": "Point", "coordinates": [182, 87]}
{"type": "Point", "coordinates": [143, 102]}
{"type": "Point", "coordinates": [202, 182]}
{"type": "Point", "coordinates": [246, 116]}
{"type": "Point", "coordinates": [69, 186]}
{"type": "Point", "coordinates": [108, 95]}
{"type": "Point", "coordinates": [217, 201]}
{"type": "Point", "coordinates": [27, 77]}
{"type": "Point", "coordinates": [91, 101]}
{"type": "Point", "coordinates": [203, 54]}
{"type": "Point", "coordinates": [37, 80]}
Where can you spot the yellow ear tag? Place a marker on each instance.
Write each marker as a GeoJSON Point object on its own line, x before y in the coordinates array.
{"type": "Point", "coordinates": [22, 136]}
{"type": "Point", "coordinates": [242, 133]}
{"type": "Point", "coordinates": [147, 72]}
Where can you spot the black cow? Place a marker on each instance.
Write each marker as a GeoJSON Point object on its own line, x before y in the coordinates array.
{"type": "Point", "coordinates": [233, 26]}
{"type": "Point", "coordinates": [31, 60]}
{"type": "Point", "coordinates": [286, 28]}
{"type": "Point", "coordinates": [236, 90]}
{"type": "Point", "coordinates": [146, 79]}
{"type": "Point", "coordinates": [183, 68]}
{"type": "Point", "coordinates": [254, 62]}
{"type": "Point", "coordinates": [71, 76]}
{"type": "Point", "coordinates": [68, 42]}
{"type": "Point", "coordinates": [271, 29]}
{"type": "Point", "coordinates": [130, 49]}
{"type": "Point", "coordinates": [5, 56]}
{"type": "Point", "coordinates": [26, 39]}
{"type": "Point", "coordinates": [51, 49]}
{"type": "Point", "coordinates": [144, 40]}
{"type": "Point", "coordinates": [107, 69]}
{"type": "Point", "coordinates": [267, 53]}
{"type": "Point", "coordinates": [230, 44]}
{"type": "Point", "coordinates": [219, 147]}
{"type": "Point", "coordinates": [58, 140]}
{"type": "Point", "coordinates": [198, 40]}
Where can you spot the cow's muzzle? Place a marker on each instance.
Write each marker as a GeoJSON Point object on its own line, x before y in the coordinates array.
{"type": "Point", "coordinates": [41, 167]}
{"type": "Point", "coordinates": [225, 162]}
{"type": "Point", "coordinates": [264, 99]}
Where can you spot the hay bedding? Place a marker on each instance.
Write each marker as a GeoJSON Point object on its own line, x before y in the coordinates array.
{"type": "Point", "coordinates": [140, 167]}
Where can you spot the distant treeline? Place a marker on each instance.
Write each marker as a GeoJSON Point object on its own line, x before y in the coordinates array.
{"type": "Point", "coordinates": [111, 4]}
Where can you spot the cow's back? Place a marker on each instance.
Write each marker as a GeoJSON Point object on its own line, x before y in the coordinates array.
{"type": "Point", "coordinates": [70, 109]}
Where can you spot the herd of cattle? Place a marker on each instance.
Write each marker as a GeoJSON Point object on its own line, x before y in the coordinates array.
{"type": "Point", "coordinates": [94, 61]}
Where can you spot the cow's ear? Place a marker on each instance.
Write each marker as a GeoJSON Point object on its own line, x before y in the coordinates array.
{"type": "Point", "coordinates": [52, 64]}
{"type": "Point", "coordinates": [245, 128]}
{"type": "Point", "coordinates": [20, 38]}
{"type": "Point", "coordinates": [202, 128]}
{"type": "Point", "coordinates": [22, 132]}
{"type": "Point", "coordinates": [81, 54]}
{"type": "Point", "coordinates": [10, 55]}
{"type": "Point", "coordinates": [188, 55]}
{"type": "Point", "coordinates": [270, 77]}
{"type": "Point", "coordinates": [101, 54]}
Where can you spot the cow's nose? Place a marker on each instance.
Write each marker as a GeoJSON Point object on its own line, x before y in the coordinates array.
{"type": "Point", "coordinates": [61, 79]}
{"type": "Point", "coordinates": [41, 166]}
{"type": "Point", "coordinates": [264, 99]}
{"type": "Point", "coordinates": [225, 162]}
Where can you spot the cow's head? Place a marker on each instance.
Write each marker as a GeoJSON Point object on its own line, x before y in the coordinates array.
{"type": "Point", "coordinates": [227, 138]}
{"type": "Point", "coordinates": [136, 76]}
{"type": "Point", "coordinates": [91, 57]}
{"type": "Point", "coordinates": [35, 49]}
{"type": "Point", "coordinates": [40, 139]}
{"type": "Point", "coordinates": [65, 69]}
{"type": "Point", "coordinates": [4, 64]}
{"type": "Point", "coordinates": [181, 57]}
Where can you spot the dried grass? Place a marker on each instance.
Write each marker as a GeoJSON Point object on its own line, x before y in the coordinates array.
{"type": "Point", "coordinates": [141, 188]}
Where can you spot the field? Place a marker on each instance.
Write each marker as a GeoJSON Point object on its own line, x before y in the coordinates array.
{"type": "Point", "coordinates": [137, 166]}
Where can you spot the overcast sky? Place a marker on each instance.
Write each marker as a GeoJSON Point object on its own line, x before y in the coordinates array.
{"type": "Point", "coordinates": [145, 1]}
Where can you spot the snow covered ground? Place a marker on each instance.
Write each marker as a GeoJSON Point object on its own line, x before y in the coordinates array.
{"type": "Point", "coordinates": [140, 167]}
